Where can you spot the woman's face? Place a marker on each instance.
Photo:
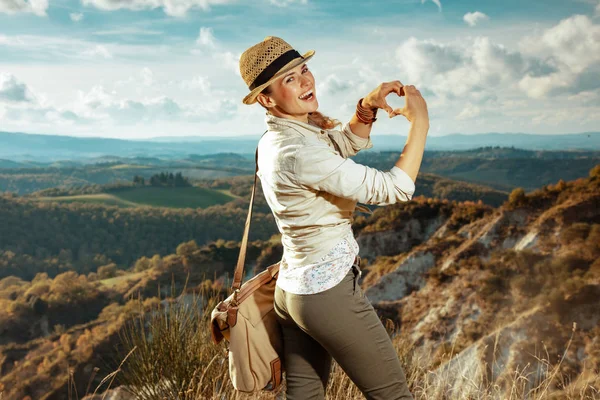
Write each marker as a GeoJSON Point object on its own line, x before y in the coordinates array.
{"type": "Point", "coordinates": [288, 94]}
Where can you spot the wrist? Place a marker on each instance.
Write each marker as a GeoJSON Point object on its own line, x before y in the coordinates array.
{"type": "Point", "coordinates": [366, 104]}
{"type": "Point", "coordinates": [364, 114]}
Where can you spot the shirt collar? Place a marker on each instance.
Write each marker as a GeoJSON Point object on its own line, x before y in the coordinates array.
{"type": "Point", "coordinates": [274, 121]}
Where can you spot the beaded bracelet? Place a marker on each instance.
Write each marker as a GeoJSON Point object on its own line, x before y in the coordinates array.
{"type": "Point", "coordinates": [365, 115]}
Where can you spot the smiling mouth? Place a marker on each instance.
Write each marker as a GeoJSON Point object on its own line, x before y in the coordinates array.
{"type": "Point", "coordinates": [307, 96]}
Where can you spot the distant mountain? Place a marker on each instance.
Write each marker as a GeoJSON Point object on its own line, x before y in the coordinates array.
{"type": "Point", "coordinates": [48, 148]}
{"type": "Point", "coordinates": [454, 141]}
{"type": "Point", "coordinates": [13, 164]}
{"type": "Point", "coordinates": [457, 141]}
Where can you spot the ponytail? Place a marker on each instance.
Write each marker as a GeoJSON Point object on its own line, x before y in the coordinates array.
{"type": "Point", "coordinates": [322, 121]}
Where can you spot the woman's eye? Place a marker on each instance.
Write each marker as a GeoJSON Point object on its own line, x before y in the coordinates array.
{"type": "Point", "coordinates": [303, 71]}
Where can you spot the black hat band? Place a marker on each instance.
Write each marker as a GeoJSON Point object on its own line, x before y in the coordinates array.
{"type": "Point", "coordinates": [275, 66]}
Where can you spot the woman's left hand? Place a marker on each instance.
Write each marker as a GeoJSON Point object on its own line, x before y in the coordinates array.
{"type": "Point", "coordinates": [376, 99]}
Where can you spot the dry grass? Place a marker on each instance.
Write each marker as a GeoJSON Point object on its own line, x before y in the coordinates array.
{"type": "Point", "coordinates": [184, 364]}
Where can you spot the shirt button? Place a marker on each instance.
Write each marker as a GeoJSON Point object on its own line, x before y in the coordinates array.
{"type": "Point", "coordinates": [322, 131]}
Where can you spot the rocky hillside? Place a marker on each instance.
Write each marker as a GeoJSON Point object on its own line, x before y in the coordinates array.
{"type": "Point", "coordinates": [488, 291]}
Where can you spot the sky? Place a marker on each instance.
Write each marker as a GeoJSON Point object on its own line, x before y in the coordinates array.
{"type": "Point", "coordinates": [137, 69]}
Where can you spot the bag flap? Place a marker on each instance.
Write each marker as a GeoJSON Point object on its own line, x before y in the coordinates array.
{"type": "Point", "coordinates": [216, 324]}
{"type": "Point", "coordinates": [224, 315]}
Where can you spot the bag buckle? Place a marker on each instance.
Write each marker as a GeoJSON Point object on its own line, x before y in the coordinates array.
{"type": "Point", "coordinates": [234, 300]}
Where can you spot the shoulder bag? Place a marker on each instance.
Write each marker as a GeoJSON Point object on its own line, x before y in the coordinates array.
{"type": "Point", "coordinates": [246, 319]}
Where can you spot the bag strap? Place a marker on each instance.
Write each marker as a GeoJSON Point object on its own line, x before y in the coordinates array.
{"type": "Point", "coordinates": [239, 269]}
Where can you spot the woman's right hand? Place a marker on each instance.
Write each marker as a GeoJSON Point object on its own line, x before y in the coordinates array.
{"type": "Point", "coordinates": [415, 108]}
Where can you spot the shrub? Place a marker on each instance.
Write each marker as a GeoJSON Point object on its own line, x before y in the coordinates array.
{"type": "Point", "coordinates": [575, 232]}
{"type": "Point", "coordinates": [526, 286]}
{"type": "Point", "coordinates": [107, 271]}
{"type": "Point", "coordinates": [142, 264]}
{"type": "Point", "coordinates": [69, 287]}
{"type": "Point", "coordinates": [517, 198]}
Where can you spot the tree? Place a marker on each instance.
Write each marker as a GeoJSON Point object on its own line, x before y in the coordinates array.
{"type": "Point", "coordinates": [142, 264]}
{"type": "Point", "coordinates": [187, 248]}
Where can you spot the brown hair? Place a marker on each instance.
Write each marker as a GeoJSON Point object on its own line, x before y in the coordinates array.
{"type": "Point", "coordinates": [317, 118]}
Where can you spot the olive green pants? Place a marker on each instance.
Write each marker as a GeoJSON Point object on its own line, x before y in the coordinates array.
{"type": "Point", "coordinates": [339, 322]}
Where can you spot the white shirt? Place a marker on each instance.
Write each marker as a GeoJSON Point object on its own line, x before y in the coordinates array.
{"type": "Point", "coordinates": [313, 188]}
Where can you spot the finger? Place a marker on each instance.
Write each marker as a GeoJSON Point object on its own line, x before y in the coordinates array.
{"type": "Point", "coordinates": [387, 108]}
{"type": "Point", "coordinates": [398, 88]}
{"type": "Point", "coordinates": [397, 111]}
{"type": "Point", "coordinates": [394, 86]}
{"type": "Point", "coordinates": [389, 87]}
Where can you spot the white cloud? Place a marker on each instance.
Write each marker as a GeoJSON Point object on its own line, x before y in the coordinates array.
{"type": "Point", "coordinates": [210, 46]}
{"type": "Point", "coordinates": [333, 85]}
{"type": "Point", "coordinates": [103, 108]}
{"type": "Point", "coordinates": [175, 8]}
{"type": "Point", "coordinates": [99, 103]}
{"type": "Point", "coordinates": [574, 41]}
{"type": "Point", "coordinates": [572, 50]}
{"type": "Point", "coordinates": [420, 59]}
{"type": "Point", "coordinates": [147, 76]}
{"type": "Point", "coordinates": [37, 7]}
{"type": "Point", "coordinates": [19, 104]}
{"type": "Point", "coordinates": [229, 60]}
{"type": "Point", "coordinates": [48, 47]}
{"type": "Point", "coordinates": [471, 68]}
{"type": "Point", "coordinates": [285, 3]}
{"type": "Point", "coordinates": [97, 51]}
{"type": "Point", "coordinates": [13, 91]}
{"type": "Point", "coordinates": [76, 17]}
{"type": "Point", "coordinates": [200, 83]}
{"type": "Point", "coordinates": [128, 31]}
{"type": "Point", "coordinates": [473, 18]}
{"type": "Point", "coordinates": [470, 111]}
{"type": "Point", "coordinates": [206, 37]}
{"type": "Point", "coordinates": [436, 2]}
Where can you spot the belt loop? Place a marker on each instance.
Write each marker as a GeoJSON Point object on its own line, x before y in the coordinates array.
{"type": "Point", "coordinates": [357, 273]}
{"type": "Point", "coordinates": [357, 263]}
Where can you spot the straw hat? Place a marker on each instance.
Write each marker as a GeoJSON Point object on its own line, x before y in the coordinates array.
{"type": "Point", "coordinates": [266, 61]}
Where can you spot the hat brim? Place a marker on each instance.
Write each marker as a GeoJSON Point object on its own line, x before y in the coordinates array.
{"type": "Point", "coordinates": [251, 97]}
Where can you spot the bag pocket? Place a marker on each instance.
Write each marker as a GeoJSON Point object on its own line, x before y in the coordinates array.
{"type": "Point", "coordinates": [254, 348]}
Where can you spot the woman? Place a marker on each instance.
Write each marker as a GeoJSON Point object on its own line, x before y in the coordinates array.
{"type": "Point", "coordinates": [312, 188]}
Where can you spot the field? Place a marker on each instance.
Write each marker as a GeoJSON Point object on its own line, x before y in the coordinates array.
{"type": "Point", "coordinates": [174, 197]}
{"type": "Point", "coordinates": [112, 282]}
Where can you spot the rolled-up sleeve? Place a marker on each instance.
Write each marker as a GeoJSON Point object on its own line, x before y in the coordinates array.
{"type": "Point", "coordinates": [319, 167]}
{"type": "Point", "coordinates": [349, 142]}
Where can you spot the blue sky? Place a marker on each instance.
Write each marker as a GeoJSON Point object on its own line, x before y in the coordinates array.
{"type": "Point", "coordinates": [145, 68]}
